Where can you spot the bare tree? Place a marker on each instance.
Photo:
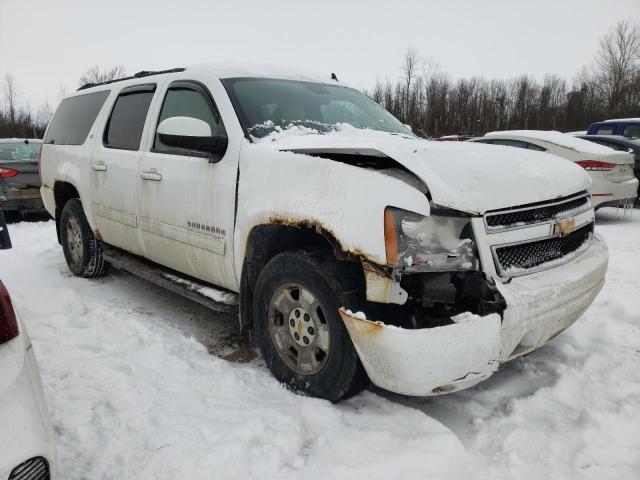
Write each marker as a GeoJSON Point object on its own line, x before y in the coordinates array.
{"type": "Point", "coordinates": [409, 70]}
{"type": "Point", "coordinates": [617, 63]}
{"type": "Point", "coordinates": [62, 92]}
{"type": "Point", "coordinates": [96, 74]}
{"type": "Point", "coordinates": [43, 115]}
{"type": "Point", "coordinates": [11, 94]}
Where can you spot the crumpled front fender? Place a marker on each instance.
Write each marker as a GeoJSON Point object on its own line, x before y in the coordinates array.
{"type": "Point", "coordinates": [429, 361]}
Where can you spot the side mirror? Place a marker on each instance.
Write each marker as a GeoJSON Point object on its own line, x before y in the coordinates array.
{"type": "Point", "coordinates": [192, 134]}
{"type": "Point", "coordinates": [408, 127]}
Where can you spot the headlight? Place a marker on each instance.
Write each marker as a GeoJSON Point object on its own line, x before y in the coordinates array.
{"type": "Point", "coordinates": [434, 243]}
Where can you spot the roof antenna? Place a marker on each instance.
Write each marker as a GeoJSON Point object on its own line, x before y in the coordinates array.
{"type": "Point", "coordinates": [333, 77]}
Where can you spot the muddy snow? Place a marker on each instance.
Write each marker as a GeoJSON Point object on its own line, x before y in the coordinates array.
{"type": "Point", "coordinates": [138, 388]}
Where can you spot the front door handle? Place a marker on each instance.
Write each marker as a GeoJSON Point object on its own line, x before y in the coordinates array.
{"type": "Point", "coordinates": [99, 167]}
{"type": "Point", "coordinates": [151, 174]}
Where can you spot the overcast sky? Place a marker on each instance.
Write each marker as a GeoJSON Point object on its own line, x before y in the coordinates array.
{"type": "Point", "coordinates": [49, 43]}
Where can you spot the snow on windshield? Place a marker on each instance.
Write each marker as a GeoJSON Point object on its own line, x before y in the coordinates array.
{"type": "Point", "coordinates": [267, 105]}
{"type": "Point", "coordinates": [558, 138]}
{"type": "Point", "coordinates": [342, 131]}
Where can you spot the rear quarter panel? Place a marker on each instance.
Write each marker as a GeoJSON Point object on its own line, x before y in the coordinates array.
{"type": "Point", "coordinates": [72, 163]}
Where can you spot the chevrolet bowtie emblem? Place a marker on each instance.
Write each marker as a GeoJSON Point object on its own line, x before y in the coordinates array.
{"type": "Point", "coordinates": [564, 227]}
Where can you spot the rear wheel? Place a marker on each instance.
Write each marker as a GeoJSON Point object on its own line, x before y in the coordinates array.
{"type": "Point", "coordinates": [81, 249]}
{"type": "Point", "coordinates": [298, 328]}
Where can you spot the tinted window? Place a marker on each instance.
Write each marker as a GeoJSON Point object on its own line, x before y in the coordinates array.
{"type": "Point", "coordinates": [74, 118]}
{"type": "Point", "coordinates": [124, 129]}
{"type": "Point", "coordinates": [605, 130]}
{"type": "Point", "coordinates": [632, 131]}
{"type": "Point", "coordinates": [187, 102]}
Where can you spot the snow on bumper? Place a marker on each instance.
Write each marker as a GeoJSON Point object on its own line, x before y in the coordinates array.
{"type": "Point", "coordinates": [443, 359]}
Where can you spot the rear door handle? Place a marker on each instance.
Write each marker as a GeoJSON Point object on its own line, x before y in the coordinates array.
{"type": "Point", "coordinates": [99, 167]}
{"type": "Point", "coordinates": [151, 174]}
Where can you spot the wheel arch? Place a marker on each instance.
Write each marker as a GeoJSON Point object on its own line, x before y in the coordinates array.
{"type": "Point", "coordinates": [62, 193]}
{"type": "Point", "coordinates": [267, 240]}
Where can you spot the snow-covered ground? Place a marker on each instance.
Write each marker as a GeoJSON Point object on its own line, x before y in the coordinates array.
{"type": "Point", "coordinates": [134, 392]}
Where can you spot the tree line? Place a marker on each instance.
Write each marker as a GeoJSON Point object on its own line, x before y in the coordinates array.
{"type": "Point", "coordinates": [433, 103]}
{"type": "Point", "coordinates": [19, 120]}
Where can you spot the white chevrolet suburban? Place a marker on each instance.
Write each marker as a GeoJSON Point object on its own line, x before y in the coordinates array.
{"type": "Point", "coordinates": [359, 251]}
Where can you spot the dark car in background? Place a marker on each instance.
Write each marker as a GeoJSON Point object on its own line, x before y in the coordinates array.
{"type": "Point", "coordinates": [19, 176]}
{"type": "Point", "coordinates": [625, 127]}
{"type": "Point", "coordinates": [620, 143]}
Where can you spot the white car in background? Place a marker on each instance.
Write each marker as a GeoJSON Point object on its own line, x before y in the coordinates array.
{"type": "Point", "coordinates": [27, 442]}
{"type": "Point", "coordinates": [614, 183]}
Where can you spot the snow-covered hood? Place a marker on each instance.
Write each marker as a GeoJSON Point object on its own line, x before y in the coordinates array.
{"type": "Point", "coordinates": [469, 177]}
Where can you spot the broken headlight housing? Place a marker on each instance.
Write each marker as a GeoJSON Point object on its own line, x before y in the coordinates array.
{"type": "Point", "coordinates": [435, 243]}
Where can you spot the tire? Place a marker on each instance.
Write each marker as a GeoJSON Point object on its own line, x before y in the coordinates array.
{"type": "Point", "coordinates": [310, 366]}
{"type": "Point", "coordinates": [82, 251]}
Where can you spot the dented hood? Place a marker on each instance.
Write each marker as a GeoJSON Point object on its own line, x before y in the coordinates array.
{"type": "Point", "coordinates": [470, 177]}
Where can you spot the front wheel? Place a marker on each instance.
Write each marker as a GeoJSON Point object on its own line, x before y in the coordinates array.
{"type": "Point", "coordinates": [298, 328]}
{"type": "Point", "coordinates": [81, 250]}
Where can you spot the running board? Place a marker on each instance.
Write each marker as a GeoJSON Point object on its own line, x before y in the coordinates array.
{"type": "Point", "coordinates": [210, 296]}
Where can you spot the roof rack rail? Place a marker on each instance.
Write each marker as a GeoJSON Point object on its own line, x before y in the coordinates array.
{"type": "Point", "coordinates": [144, 73]}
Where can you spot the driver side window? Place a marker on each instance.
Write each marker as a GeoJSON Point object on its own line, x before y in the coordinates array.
{"type": "Point", "coordinates": [187, 99]}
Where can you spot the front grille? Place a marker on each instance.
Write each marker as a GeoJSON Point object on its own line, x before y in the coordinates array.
{"type": "Point", "coordinates": [542, 213]}
{"type": "Point", "coordinates": [519, 258]}
{"type": "Point", "coordinates": [36, 468]}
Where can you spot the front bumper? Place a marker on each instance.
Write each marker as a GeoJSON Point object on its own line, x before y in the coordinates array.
{"type": "Point", "coordinates": [25, 428]}
{"type": "Point", "coordinates": [20, 199]}
{"type": "Point", "coordinates": [440, 360]}
{"type": "Point", "coordinates": [616, 194]}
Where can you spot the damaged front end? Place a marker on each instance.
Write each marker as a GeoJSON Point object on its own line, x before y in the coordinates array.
{"type": "Point", "coordinates": [426, 361]}
{"type": "Point", "coordinates": [442, 314]}
{"type": "Point", "coordinates": [456, 320]}
{"type": "Point", "coordinates": [433, 270]}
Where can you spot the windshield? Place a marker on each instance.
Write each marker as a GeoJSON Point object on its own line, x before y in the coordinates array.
{"type": "Point", "coordinates": [19, 151]}
{"type": "Point", "coordinates": [267, 105]}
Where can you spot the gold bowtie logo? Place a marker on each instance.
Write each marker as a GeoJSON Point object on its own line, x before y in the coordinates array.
{"type": "Point", "coordinates": [564, 227]}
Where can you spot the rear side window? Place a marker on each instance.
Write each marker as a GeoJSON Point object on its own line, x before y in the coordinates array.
{"type": "Point", "coordinates": [124, 128]}
{"type": "Point", "coordinates": [605, 130]}
{"type": "Point", "coordinates": [632, 131]}
{"type": "Point", "coordinates": [74, 118]}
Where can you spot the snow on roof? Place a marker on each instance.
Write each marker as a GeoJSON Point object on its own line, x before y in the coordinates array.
{"type": "Point", "coordinates": [623, 120]}
{"type": "Point", "coordinates": [557, 138]}
{"type": "Point", "coordinates": [234, 70]}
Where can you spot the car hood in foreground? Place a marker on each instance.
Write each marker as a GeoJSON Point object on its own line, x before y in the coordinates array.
{"type": "Point", "coordinates": [473, 178]}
